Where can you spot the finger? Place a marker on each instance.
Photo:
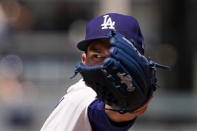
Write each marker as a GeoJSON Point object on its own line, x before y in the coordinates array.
{"type": "Point", "coordinates": [127, 46]}
{"type": "Point", "coordinates": [134, 68]}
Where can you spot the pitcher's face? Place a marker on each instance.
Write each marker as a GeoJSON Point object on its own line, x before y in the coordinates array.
{"type": "Point", "coordinates": [97, 52]}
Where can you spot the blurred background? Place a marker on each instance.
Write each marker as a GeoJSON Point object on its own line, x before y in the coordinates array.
{"type": "Point", "coordinates": [38, 55]}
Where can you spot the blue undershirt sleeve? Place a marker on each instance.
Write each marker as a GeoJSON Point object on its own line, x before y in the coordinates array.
{"type": "Point", "coordinates": [100, 122]}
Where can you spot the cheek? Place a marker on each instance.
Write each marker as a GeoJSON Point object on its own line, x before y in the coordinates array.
{"type": "Point", "coordinates": [92, 62]}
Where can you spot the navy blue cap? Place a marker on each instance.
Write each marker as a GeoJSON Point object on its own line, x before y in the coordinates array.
{"type": "Point", "coordinates": [99, 27]}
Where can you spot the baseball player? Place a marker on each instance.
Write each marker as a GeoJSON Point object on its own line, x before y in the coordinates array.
{"type": "Point", "coordinates": [118, 81]}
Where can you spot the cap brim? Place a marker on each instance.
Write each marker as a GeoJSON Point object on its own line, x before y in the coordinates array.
{"type": "Point", "coordinates": [83, 45]}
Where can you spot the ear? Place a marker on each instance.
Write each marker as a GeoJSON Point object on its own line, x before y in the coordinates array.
{"type": "Point", "coordinates": [83, 58]}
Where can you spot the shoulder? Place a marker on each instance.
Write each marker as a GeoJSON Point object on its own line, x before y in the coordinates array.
{"type": "Point", "coordinates": [80, 90]}
{"type": "Point", "coordinates": [72, 110]}
{"type": "Point", "coordinates": [78, 96]}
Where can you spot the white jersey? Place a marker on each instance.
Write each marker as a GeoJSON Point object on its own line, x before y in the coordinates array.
{"type": "Point", "coordinates": [72, 112]}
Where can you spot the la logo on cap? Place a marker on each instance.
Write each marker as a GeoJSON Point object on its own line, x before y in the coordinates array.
{"type": "Point", "coordinates": [108, 23]}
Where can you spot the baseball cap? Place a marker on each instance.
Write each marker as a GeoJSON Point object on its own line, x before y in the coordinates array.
{"type": "Point", "coordinates": [99, 27]}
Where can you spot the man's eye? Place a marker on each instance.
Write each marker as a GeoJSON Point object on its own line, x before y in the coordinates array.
{"type": "Point", "coordinates": [98, 56]}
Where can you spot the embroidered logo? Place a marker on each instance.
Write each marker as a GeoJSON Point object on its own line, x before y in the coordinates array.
{"type": "Point", "coordinates": [127, 80]}
{"type": "Point", "coordinates": [108, 23]}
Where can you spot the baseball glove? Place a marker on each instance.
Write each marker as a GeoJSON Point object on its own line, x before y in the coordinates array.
{"type": "Point", "coordinates": [126, 80]}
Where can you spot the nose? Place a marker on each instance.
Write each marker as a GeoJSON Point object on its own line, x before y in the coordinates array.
{"type": "Point", "coordinates": [106, 53]}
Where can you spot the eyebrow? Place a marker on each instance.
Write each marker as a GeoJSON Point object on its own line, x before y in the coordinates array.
{"type": "Point", "coordinates": [95, 49]}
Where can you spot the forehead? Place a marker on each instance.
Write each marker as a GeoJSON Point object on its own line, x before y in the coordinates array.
{"type": "Point", "coordinates": [100, 43]}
